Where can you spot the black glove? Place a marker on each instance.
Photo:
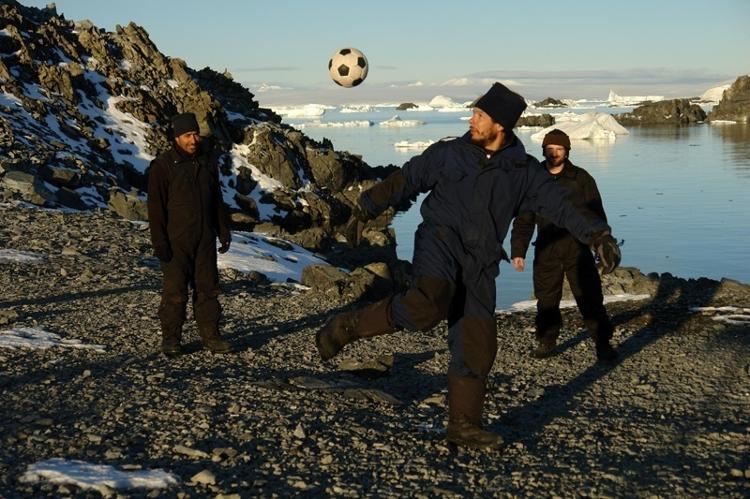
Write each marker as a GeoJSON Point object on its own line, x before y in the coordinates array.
{"type": "Point", "coordinates": [163, 253]}
{"type": "Point", "coordinates": [607, 252]}
{"type": "Point", "coordinates": [225, 246]}
{"type": "Point", "coordinates": [354, 227]}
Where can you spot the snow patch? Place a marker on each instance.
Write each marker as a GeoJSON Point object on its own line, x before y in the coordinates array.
{"type": "Point", "coordinates": [526, 305]}
{"type": "Point", "coordinates": [18, 256]}
{"type": "Point", "coordinates": [278, 260]}
{"type": "Point", "coordinates": [39, 339]}
{"type": "Point", "coordinates": [95, 476]}
{"type": "Point", "coordinates": [728, 315]}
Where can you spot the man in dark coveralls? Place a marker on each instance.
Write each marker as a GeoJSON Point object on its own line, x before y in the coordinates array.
{"type": "Point", "coordinates": [186, 214]}
{"type": "Point", "coordinates": [558, 254]}
{"type": "Point", "coordinates": [477, 184]}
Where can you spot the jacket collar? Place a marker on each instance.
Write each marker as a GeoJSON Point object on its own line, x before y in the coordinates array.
{"type": "Point", "coordinates": [512, 148]}
{"type": "Point", "coordinates": [568, 171]}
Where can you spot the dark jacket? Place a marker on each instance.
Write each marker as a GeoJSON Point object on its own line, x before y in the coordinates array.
{"type": "Point", "coordinates": [583, 194]}
{"type": "Point", "coordinates": [475, 197]}
{"type": "Point", "coordinates": [185, 200]}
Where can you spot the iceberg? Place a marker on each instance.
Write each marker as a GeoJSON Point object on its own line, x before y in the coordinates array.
{"type": "Point", "coordinates": [445, 104]}
{"type": "Point", "coordinates": [334, 124]}
{"type": "Point", "coordinates": [630, 100]}
{"type": "Point", "coordinates": [306, 111]}
{"type": "Point", "coordinates": [396, 121]}
{"type": "Point", "coordinates": [589, 126]}
{"type": "Point", "coordinates": [356, 108]}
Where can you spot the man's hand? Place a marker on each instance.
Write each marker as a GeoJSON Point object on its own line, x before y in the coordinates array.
{"type": "Point", "coordinates": [519, 263]}
{"type": "Point", "coordinates": [607, 251]}
{"type": "Point", "coordinates": [225, 246]}
{"type": "Point", "coordinates": [163, 253]}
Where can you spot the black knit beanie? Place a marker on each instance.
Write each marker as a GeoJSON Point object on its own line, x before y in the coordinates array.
{"type": "Point", "coordinates": [502, 104]}
{"type": "Point", "coordinates": [184, 123]}
{"type": "Point", "coordinates": [556, 137]}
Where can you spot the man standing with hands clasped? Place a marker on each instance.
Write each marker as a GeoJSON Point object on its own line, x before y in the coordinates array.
{"type": "Point", "coordinates": [477, 184]}
{"type": "Point", "coordinates": [186, 214]}
{"type": "Point", "coordinates": [559, 254]}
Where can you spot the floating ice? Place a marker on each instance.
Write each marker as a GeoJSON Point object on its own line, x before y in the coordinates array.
{"type": "Point", "coordinates": [396, 121]}
{"type": "Point", "coordinates": [334, 124]}
{"type": "Point", "coordinates": [593, 126]}
{"type": "Point", "coordinates": [95, 476]}
{"type": "Point", "coordinates": [356, 108]}
{"type": "Point", "coordinates": [306, 111]}
{"type": "Point", "coordinates": [420, 144]}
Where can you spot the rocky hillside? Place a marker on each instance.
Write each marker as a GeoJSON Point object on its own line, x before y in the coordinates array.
{"type": "Point", "coordinates": [83, 111]}
{"type": "Point", "coordinates": [735, 102]}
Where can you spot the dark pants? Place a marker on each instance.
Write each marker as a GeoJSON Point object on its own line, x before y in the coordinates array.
{"type": "Point", "coordinates": [194, 266]}
{"type": "Point", "coordinates": [577, 264]}
{"type": "Point", "coordinates": [448, 285]}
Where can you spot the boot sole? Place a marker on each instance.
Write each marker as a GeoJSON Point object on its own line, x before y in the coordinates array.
{"type": "Point", "coordinates": [476, 445]}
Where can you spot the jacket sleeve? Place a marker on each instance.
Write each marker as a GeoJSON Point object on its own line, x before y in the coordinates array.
{"type": "Point", "coordinates": [158, 189]}
{"type": "Point", "coordinates": [548, 198]}
{"type": "Point", "coordinates": [593, 199]}
{"type": "Point", "coordinates": [417, 175]}
{"type": "Point", "coordinates": [222, 211]}
{"type": "Point", "coordinates": [520, 236]}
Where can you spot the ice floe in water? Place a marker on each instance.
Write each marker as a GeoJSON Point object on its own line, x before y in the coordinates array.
{"type": "Point", "coordinates": [588, 126]}
{"type": "Point", "coordinates": [396, 121]}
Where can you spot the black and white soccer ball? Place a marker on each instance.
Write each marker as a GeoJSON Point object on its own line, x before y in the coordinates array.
{"type": "Point", "coordinates": [348, 67]}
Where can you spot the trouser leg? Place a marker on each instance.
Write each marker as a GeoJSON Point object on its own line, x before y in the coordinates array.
{"type": "Point", "coordinates": [206, 305]}
{"type": "Point", "coordinates": [176, 275]}
{"type": "Point", "coordinates": [586, 287]}
{"type": "Point", "coordinates": [548, 282]}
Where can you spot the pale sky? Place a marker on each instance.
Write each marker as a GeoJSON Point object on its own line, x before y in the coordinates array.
{"type": "Point", "coordinates": [418, 49]}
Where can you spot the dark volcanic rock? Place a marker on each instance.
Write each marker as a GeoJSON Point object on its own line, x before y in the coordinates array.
{"type": "Point", "coordinates": [406, 105]}
{"type": "Point", "coordinates": [735, 103]}
{"type": "Point", "coordinates": [543, 120]}
{"type": "Point", "coordinates": [549, 102]}
{"type": "Point", "coordinates": [666, 112]}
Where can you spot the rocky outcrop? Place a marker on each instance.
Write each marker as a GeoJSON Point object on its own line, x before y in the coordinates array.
{"type": "Point", "coordinates": [83, 111]}
{"type": "Point", "coordinates": [543, 120]}
{"type": "Point", "coordinates": [666, 112]}
{"type": "Point", "coordinates": [735, 102]}
{"type": "Point", "coordinates": [406, 105]}
{"type": "Point", "coordinates": [549, 102]}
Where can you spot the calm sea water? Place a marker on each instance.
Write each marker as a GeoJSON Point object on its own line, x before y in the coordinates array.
{"type": "Point", "coordinates": [678, 196]}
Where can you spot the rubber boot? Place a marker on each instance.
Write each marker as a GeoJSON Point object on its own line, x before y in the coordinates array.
{"type": "Point", "coordinates": [605, 353]}
{"type": "Point", "coordinates": [211, 340]}
{"type": "Point", "coordinates": [170, 341]}
{"type": "Point", "coordinates": [342, 329]}
{"type": "Point", "coordinates": [465, 401]}
{"type": "Point", "coordinates": [546, 344]}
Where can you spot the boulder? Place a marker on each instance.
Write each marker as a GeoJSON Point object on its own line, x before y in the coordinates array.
{"type": "Point", "coordinates": [549, 102]}
{"type": "Point", "coordinates": [543, 120]}
{"type": "Point", "coordinates": [29, 187]}
{"type": "Point", "coordinates": [735, 103]}
{"type": "Point", "coordinates": [128, 205]}
{"type": "Point", "coordinates": [406, 105]}
{"type": "Point", "coordinates": [666, 112]}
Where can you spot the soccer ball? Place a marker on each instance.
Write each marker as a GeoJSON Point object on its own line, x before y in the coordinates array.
{"type": "Point", "coordinates": [348, 67]}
